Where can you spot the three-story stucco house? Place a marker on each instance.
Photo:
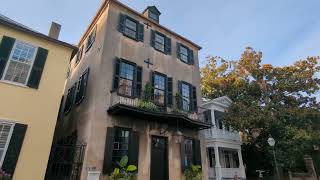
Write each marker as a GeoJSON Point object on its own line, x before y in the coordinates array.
{"type": "Point", "coordinates": [133, 90]}
{"type": "Point", "coordinates": [33, 67]}
{"type": "Point", "coordinates": [223, 144]}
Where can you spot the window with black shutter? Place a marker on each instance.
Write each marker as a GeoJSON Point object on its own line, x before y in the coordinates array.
{"type": "Point", "coordinates": [14, 145]}
{"type": "Point", "coordinates": [120, 142]}
{"type": "Point", "coordinates": [70, 99]}
{"type": "Point", "coordinates": [169, 91]}
{"type": "Point", "coordinates": [185, 54]}
{"type": "Point", "coordinates": [79, 55]}
{"type": "Point", "coordinates": [159, 88]}
{"type": "Point", "coordinates": [190, 153]}
{"type": "Point", "coordinates": [127, 80]}
{"type": "Point", "coordinates": [91, 39]}
{"type": "Point", "coordinates": [160, 42]}
{"type": "Point", "coordinates": [21, 62]}
{"type": "Point", "coordinates": [131, 28]}
{"type": "Point", "coordinates": [82, 87]}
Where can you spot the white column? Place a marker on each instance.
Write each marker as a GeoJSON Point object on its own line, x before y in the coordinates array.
{"type": "Point", "coordinates": [218, 165]}
{"type": "Point", "coordinates": [241, 164]}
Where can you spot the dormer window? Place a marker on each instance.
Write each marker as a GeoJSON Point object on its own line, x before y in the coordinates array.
{"type": "Point", "coordinates": [152, 13]}
{"type": "Point", "coordinates": [153, 16]}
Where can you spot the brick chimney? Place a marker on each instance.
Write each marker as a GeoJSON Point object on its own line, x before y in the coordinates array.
{"type": "Point", "coordinates": [54, 30]}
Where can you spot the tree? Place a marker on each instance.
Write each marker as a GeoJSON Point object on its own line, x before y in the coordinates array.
{"type": "Point", "coordinates": [275, 101]}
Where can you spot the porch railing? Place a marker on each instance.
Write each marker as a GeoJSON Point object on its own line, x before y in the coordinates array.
{"type": "Point", "coordinates": [153, 102]}
{"type": "Point", "coordinates": [216, 133]}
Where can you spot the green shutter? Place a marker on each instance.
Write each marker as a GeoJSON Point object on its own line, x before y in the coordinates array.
{"type": "Point", "coordinates": [167, 45]}
{"type": "Point", "coordinates": [138, 81]}
{"type": "Point", "coordinates": [14, 148]}
{"type": "Point", "coordinates": [169, 91]}
{"type": "Point", "coordinates": [140, 32]}
{"type": "Point", "coordinates": [116, 75]}
{"type": "Point", "coordinates": [152, 85]}
{"type": "Point", "coordinates": [5, 50]}
{"type": "Point", "coordinates": [190, 56]}
{"type": "Point", "coordinates": [194, 99]}
{"type": "Point", "coordinates": [107, 161]}
{"type": "Point", "coordinates": [178, 50]}
{"type": "Point", "coordinates": [152, 38]}
{"type": "Point", "coordinates": [37, 69]}
{"type": "Point", "coordinates": [182, 155]}
{"type": "Point", "coordinates": [121, 25]}
{"type": "Point", "coordinates": [82, 86]}
{"type": "Point", "coordinates": [179, 97]}
{"type": "Point", "coordinates": [133, 153]}
{"type": "Point", "coordinates": [197, 152]}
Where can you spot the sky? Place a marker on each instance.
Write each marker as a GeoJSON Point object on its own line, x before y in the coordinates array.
{"type": "Point", "coordinates": [285, 31]}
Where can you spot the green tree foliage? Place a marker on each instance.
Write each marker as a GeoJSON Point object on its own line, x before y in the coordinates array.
{"type": "Point", "coordinates": [276, 101]}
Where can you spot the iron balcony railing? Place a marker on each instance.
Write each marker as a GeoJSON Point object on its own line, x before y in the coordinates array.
{"type": "Point", "coordinates": [158, 102]}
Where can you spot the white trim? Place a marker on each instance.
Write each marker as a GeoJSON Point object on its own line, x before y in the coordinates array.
{"type": "Point", "coordinates": [8, 62]}
{"type": "Point", "coordinates": [7, 142]}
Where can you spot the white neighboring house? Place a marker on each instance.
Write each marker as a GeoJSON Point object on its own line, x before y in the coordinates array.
{"type": "Point", "coordinates": [223, 144]}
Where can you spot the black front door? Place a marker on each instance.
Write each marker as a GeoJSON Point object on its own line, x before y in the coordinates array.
{"type": "Point", "coordinates": [159, 158]}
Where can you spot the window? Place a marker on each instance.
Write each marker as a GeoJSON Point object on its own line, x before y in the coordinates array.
{"type": "Point", "coordinates": [159, 42]}
{"type": "Point", "coordinates": [82, 87]}
{"type": "Point", "coordinates": [211, 157]}
{"type": "Point", "coordinates": [130, 28]}
{"type": "Point", "coordinates": [79, 55]}
{"type": "Point", "coordinates": [218, 116]}
{"type": "Point", "coordinates": [20, 63]}
{"type": "Point", "coordinates": [154, 16]}
{"type": "Point", "coordinates": [185, 97]}
{"type": "Point", "coordinates": [188, 156]}
{"type": "Point", "coordinates": [126, 79]}
{"type": "Point", "coordinates": [159, 88]}
{"type": "Point", "coordinates": [5, 134]}
{"type": "Point", "coordinates": [120, 145]}
{"type": "Point", "coordinates": [70, 99]}
{"type": "Point", "coordinates": [184, 54]}
{"type": "Point", "coordinates": [230, 158]}
{"type": "Point", "coordinates": [91, 39]}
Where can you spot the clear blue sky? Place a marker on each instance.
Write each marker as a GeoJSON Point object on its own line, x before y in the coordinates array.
{"type": "Point", "coordinates": [284, 30]}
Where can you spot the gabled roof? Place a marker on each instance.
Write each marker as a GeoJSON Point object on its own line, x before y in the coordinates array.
{"type": "Point", "coordinates": [5, 21]}
{"type": "Point", "coordinates": [152, 8]}
{"type": "Point", "coordinates": [222, 101]}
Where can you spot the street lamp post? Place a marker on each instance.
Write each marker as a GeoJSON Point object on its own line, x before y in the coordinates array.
{"type": "Point", "coordinates": [272, 143]}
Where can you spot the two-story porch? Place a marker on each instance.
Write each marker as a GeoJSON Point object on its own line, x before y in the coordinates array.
{"type": "Point", "coordinates": [223, 144]}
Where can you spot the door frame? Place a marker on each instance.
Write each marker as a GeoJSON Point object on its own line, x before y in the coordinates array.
{"type": "Point", "coordinates": [166, 151]}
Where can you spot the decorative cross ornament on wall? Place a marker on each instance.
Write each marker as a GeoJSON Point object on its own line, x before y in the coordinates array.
{"type": "Point", "coordinates": [147, 24]}
{"type": "Point", "coordinates": [148, 62]}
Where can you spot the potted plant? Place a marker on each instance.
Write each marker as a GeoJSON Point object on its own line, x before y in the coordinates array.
{"type": "Point", "coordinates": [4, 175]}
{"type": "Point", "coordinates": [124, 171]}
{"type": "Point", "coordinates": [193, 173]}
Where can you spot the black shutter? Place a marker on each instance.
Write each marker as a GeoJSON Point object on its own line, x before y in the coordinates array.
{"type": "Point", "coordinates": [140, 32]}
{"type": "Point", "coordinates": [152, 38]}
{"type": "Point", "coordinates": [178, 50]}
{"type": "Point", "coordinates": [190, 56]}
{"type": "Point", "coordinates": [134, 148]}
{"type": "Point", "coordinates": [78, 91]}
{"type": "Point", "coordinates": [121, 25]}
{"type": "Point", "coordinates": [107, 161]}
{"type": "Point", "coordinates": [167, 45]}
{"type": "Point", "coordinates": [37, 68]}
{"type": "Point", "coordinates": [182, 155]}
{"type": "Point", "coordinates": [116, 75]}
{"type": "Point", "coordinates": [169, 91]}
{"type": "Point", "coordinates": [207, 116]}
{"type": "Point", "coordinates": [179, 97]}
{"type": "Point", "coordinates": [194, 99]}
{"type": "Point", "coordinates": [197, 152]}
{"type": "Point", "coordinates": [138, 81]}
{"type": "Point", "coordinates": [5, 50]}
{"type": "Point", "coordinates": [13, 151]}
{"type": "Point", "coordinates": [152, 84]}
{"type": "Point", "coordinates": [82, 87]}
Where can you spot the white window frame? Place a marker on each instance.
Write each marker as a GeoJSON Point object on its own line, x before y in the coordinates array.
{"type": "Point", "coordinates": [8, 140]}
{"type": "Point", "coordinates": [8, 62]}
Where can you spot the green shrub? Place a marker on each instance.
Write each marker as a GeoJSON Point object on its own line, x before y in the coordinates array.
{"type": "Point", "coordinates": [193, 173]}
{"type": "Point", "coordinates": [124, 171]}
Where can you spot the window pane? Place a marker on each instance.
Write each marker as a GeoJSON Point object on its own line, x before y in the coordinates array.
{"type": "Point", "coordinates": [4, 136]}
{"type": "Point", "coordinates": [120, 145]}
{"type": "Point", "coordinates": [159, 42]}
{"type": "Point", "coordinates": [126, 71]}
{"type": "Point", "coordinates": [159, 96]}
{"type": "Point", "coordinates": [19, 64]}
{"type": "Point", "coordinates": [188, 159]}
{"type": "Point", "coordinates": [185, 97]}
{"type": "Point", "coordinates": [130, 28]}
{"type": "Point", "coordinates": [159, 82]}
{"type": "Point", "coordinates": [153, 16]}
{"type": "Point", "coordinates": [125, 87]}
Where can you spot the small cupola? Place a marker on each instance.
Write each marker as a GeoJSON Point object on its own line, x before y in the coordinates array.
{"type": "Point", "coordinates": [152, 13]}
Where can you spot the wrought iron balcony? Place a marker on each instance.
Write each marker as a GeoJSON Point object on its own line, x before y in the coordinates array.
{"type": "Point", "coordinates": [151, 106]}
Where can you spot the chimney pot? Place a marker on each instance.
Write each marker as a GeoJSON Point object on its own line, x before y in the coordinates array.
{"type": "Point", "coordinates": [54, 30]}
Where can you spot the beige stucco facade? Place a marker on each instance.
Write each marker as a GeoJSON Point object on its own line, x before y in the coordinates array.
{"type": "Point", "coordinates": [37, 108]}
{"type": "Point", "coordinates": [91, 119]}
